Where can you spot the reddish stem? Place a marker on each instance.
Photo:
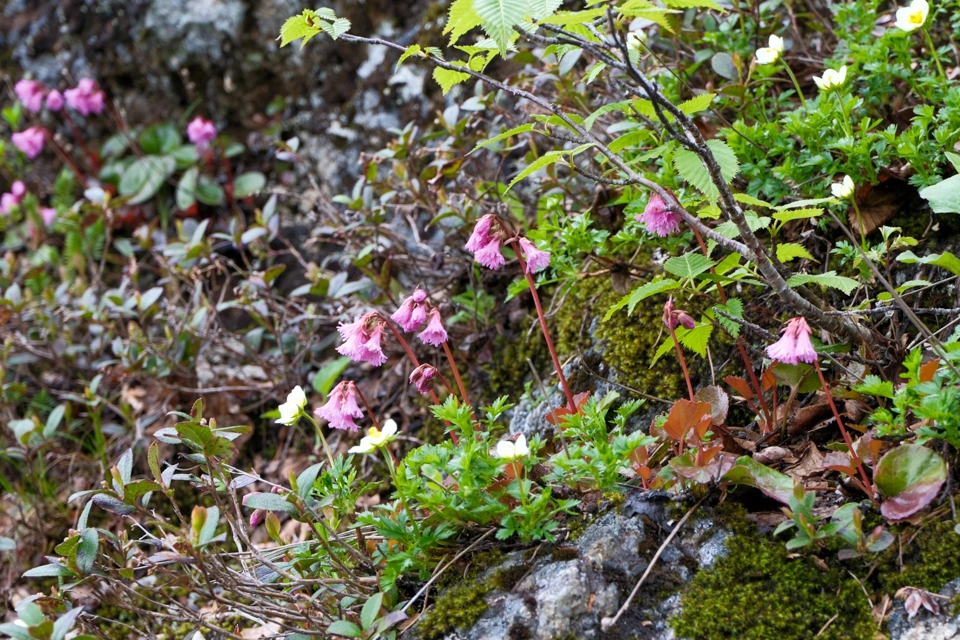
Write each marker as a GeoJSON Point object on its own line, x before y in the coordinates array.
{"type": "Point", "coordinates": [846, 436]}
{"type": "Point", "coordinates": [92, 159]}
{"type": "Point", "coordinates": [571, 404]}
{"type": "Point", "coordinates": [683, 363]}
{"type": "Point", "coordinates": [456, 374]}
{"type": "Point", "coordinates": [367, 405]}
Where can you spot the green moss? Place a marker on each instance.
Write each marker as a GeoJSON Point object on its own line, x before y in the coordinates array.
{"type": "Point", "coordinates": [509, 368]}
{"type": "Point", "coordinates": [757, 592]}
{"type": "Point", "coordinates": [462, 603]}
{"type": "Point", "coordinates": [630, 340]}
{"type": "Point", "coordinates": [930, 561]}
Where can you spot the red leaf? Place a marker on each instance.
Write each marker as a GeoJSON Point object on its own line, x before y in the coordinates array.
{"type": "Point", "coordinates": [686, 415]}
{"type": "Point", "coordinates": [740, 386]}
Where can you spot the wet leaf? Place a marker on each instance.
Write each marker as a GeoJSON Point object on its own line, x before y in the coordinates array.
{"type": "Point", "coordinates": [751, 473]}
{"type": "Point", "coordinates": [719, 402]}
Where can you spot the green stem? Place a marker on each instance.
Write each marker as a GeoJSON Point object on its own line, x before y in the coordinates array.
{"type": "Point", "coordinates": [392, 465]}
{"type": "Point", "coordinates": [936, 56]}
{"type": "Point", "coordinates": [320, 437]}
{"type": "Point", "coordinates": [856, 208]}
{"type": "Point", "coordinates": [843, 112]}
{"type": "Point", "coordinates": [796, 85]}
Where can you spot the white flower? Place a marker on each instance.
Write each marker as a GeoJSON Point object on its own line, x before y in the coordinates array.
{"type": "Point", "coordinates": [376, 438]}
{"type": "Point", "coordinates": [770, 54]}
{"type": "Point", "coordinates": [913, 17]}
{"type": "Point", "coordinates": [831, 79]}
{"type": "Point", "coordinates": [843, 189]}
{"type": "Point", "coordinates": [508, 450]}
{"type": "Point", "coordinates": [291, 409]}
{"type": "Point", "coordinates": [635, 39]}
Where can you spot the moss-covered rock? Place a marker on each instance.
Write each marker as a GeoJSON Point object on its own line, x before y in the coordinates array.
{"type": "Point", "coordinates": [759, 592]}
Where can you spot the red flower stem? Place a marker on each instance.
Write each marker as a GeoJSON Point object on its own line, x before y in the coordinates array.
{"type": "Point", "coordinates": [416, 363]}
{"type": "Point", "coordinates": [445, 383]}
{"type": "Point", "coordinates": [66, 158]}
{"type": "Point", "coordinates": [92, 159]}
{"type": "Point", "coordinates": [571, 404]}
{"type": "Point", "coordinates": [456, 374]}
{"type": "Point", "coordinates": [683, 363]}
{"type": "Point", "coordinates": [846, 436]}
{"type": "Point", "coordinates": [367, 405]}
{"type": "Point", "coordinates": [748, 364]}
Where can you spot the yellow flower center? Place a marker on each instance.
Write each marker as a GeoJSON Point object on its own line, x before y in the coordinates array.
{"type": "Point", "coordinates": [916, 17]}
{"type": "Point", "coordinates": [373, 432]}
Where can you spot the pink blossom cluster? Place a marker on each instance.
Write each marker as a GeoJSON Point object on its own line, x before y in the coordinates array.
{"type": "Point", "coordinates": [795, 346]}
{"type": "Point", "coordinates": [414, 311]}
{"type": "Point", "coordinates": [30, 141]}
{"type": "Point", "coordinates": [201, 132]}
{"type": "Point", "coordinates": [15, 196]}
{"type": "Point", "coordinates": [484, 243]}
{"type": "Point", "coordinates": [659, 218]}
{"type": "Point", "coordinates": [85, 98]}
{"type": "Point", "coordinates": [341, 407]}
{"type": "Point", "coordinates": [361, 339]}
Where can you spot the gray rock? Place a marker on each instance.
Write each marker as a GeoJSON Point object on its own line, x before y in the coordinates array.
{"type": "Point", "coordinates": [202, 29]}
{"type": "Point", "coordinates": [926, 625]}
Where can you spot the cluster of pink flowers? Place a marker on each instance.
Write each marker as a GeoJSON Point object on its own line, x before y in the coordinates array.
{"type": "Point", "coordinates": [795, 346]}
{"type": "Point", "coordinates": [413, 312]}
{"type": "Point", "coordinates": [30, 141]}
{"type": "Point", "coordinates": [658, 218]}
{"type": "Point", "coordinates": [201, 132]}
{"type": "Point", "coordinates": [361, 339]}
{"type": "Point", "coordinates": [484, 243]}
{"type": "Point", "coordinates": [10, 200]}
{"type": "Point", "coordinates": [673, 317]}
{"type": "Point", "coordinates": [84, 98]}
{"type": "Point", "coordinates": [341, 407]}
{"type": "Point", "coordinates": [422, 378]}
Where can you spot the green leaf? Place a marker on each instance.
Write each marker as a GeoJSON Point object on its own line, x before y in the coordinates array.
{"type": "Point", "coordinates": [144, 177]}
{"type": "Point", "coordinates": [305, 26]}
{"type": "Point", "coordinates": [751, 473]}
{"type": "Point", "coordinates": [874, 386]}
{"type": "Point", "coordinates": [696, 339]}
{"type": "Point", "coordinates": [64, 623]}
{"type": "Point", "coordinates": [733, 307]}
{"type": "Point", "coordinates": [828, 279]}
{"type": "Point", "coordinates": [371, 608]}
{"type": "Point", "coordinates": [187, 189]}
{"type": "Point", "coordinates": [909, 477]}
{"type": "Point", "coordinates": [87, 550]}
{"type": "Point", "coordinates": [53, 420]}
{"type": "Point", "coordinates": [697, 104]}
{"type": "Point", "coordinates": [248, 184]}
{"type": "Point", "coordinates": [692, 169]}
{"type": "Point", "coordinates": [524, 128]}
{"type": "Point", "coordinates": [944, 197]}
{"type": "Point", "coordinates": [344, 628]}
{"type": "Point", "coordinates": [797, 214]}
{"type": "Point", "coordinates": [689, 265]}
{"type": "Point", "coordinates": [744, 198]}
{"type": "Point", "coordinates": [209, 192]}
{"type": "Point", "coordinates": [448, 79]}
{"type": "Point", "coordinates": [52, 570]}
{"type": "Point", "coordinates": [945, 260]}
{"type": "Point", "coordinates": [796, 204]}
{"type": "Point", "coordinates": [209, 528]}
{"type": "Point", "coordinates": [462, 18]}
{"type": "Point", "coordinates": [547, 159]}
{"type": "Point", "coordinates": [607, 108]}
{"type": "Point", "coordinates": [641, 293]}
{"type": "Point", "coordinates": [412, 50]}
{"type": "Point", "coordinates": [326, 377]}
{"type": "Point", "coordinates": [790, 251]}
{"type": "Point", "coordinates": [726, 157]}
{"type": "Point", "coordinates": [268, 502]}
{"type": "Point", "coordinates": [336, 28]}
{"type": "Point", "coordinates": [499, 17]}
{"type": "Point", "coordinates": [693, 4]}
{"type": "Point", "coordinates": [160, 139]}
{"type": "Point", "coordinates": [307, 478]}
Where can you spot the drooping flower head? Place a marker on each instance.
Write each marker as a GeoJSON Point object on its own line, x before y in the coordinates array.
{"type": "Point", "coordinates": [485, 241]}
{"type": "Point", "coordinates": [412, 312]}
{"type": "Point", "coordinates": [341, 407]}
{"type": "Point", "coordinates": [795, 345]}
{"type": "Point", "coordinates": [831, 79]}
{"type": "Point", "coordinates": [30, 141]}
{"type": "Point", "coordinates": [85, 97]}
{"type": "Point", "coordinates": [54, 100]}
{"type": "Point", "coordinates": [673, 317]}
{"type": "Point", "coordinates": [422, 377]}
{"type": "Point", "coordinates": [30, 93]}
{"type": "Point", "coordinates": [201, 132]}
{"type": "Point", "coordinates": [291, 409]}
{"type": "Point", "coordinates": [843, 189]}
{"type": "Point", "coordinates": [361, 339]}
{"type": "Point", "coordinates": [434, 334]}
{"type": "Point", "coordinates": [912, 17]}
{"type": "Point", "coordinates": [771, 53]}
{"type": "Point", "coordinates": [510, 451]}
{"type": "Point", "coordinates": [658, 218]}
{"type": "Point", "coordinates": [536, 259]}
{"type": "Point", "coordinates": [376, 438]}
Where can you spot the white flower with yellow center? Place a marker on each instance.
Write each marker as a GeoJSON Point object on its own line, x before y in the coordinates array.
{"type": "Point", "coordinates": [843, 189]}
{"type": "Point", "coordinates": [913, 17]}
{"type": "Point", "coordinates": [831, 79]}
{"type": "Point", "coordinates": [510, 451]}
{"type": "Point", "coordinates": [771, 53]}
{"type": "Point", "coordinates": [376, 438]}
{"type": "Point", "coordinates": [291, 409]}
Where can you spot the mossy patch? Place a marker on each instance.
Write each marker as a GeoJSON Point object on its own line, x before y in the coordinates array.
{"type": "Point", "coordinates": [930, 561]}
{"type": "Point", "coordinates": [758, 592]}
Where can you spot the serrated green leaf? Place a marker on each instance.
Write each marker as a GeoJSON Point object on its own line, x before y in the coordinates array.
{"type": "Point", "coordinates": [461, 19]}
{"type": "Point", "coordinates": [607, 108]}
{"type": "Point", "coordinates": [524, 128]}
{"type": "Point", "coordinates": [336, 28]}
{"type": "Point", "coordinates": [744, 198]}
{"type": "Point", "coordinates": [412, 50]}
{"type": "Point", "coordinates": [696, 339]}
{"type": "Point", "coordinates": [297, 27]}
{"type": "Point", "coordinates": [641, 293]}
{"type": "Point", "coordinates": [945, 260]}
{"type": "Point", "coordinates": [499, 17]}
{"type": "Point", "coordinates": [733, 307]}
{"type": "Point", "coordinates": [874, 386]}
{"type": "Point", "coordinates": [797, 214]}
{"type": "Point", "coordinates": [828, 279]}
{"type": "Point", "coordinates": [694, 4]}
{"type": "Point", "coordinates": [547, 159]}
{"type": "Point", "coordinates": [697, 103]}
{"type": "Point", "coordinates": [790, 251]}
{"type": "Point", "coordinates": [692, 169]}
{"type": "Point", "coordinates": [726, 158]}
{"type": "Point", "coordinates": [448, 78]}
{"type": "Point", "coordinates": [689, 265]}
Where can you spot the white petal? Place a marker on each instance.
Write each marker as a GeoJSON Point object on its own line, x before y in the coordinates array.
{"type": "Point", "coordinates": [521, 447]}
{"type": "Point", "coordinates": [389, 428]}
{"type": "Point", "coordinates": [776, 43]}
{"type": "Point", "coordinates": [506, 450]}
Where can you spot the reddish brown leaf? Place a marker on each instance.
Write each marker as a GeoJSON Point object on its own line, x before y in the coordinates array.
{"type": "Point", "coordinates": [928, 369]}
{"type": "Point", "coordinates": [839, 461]}
{"type": "Point", "coordinates": [686, 415]}
{"type": "Point", "coordinates": [719, 403]}
{"type": "Point", "coordinates": [555, 417]}
{"type": "Point", "coordinates": [740, 386]}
